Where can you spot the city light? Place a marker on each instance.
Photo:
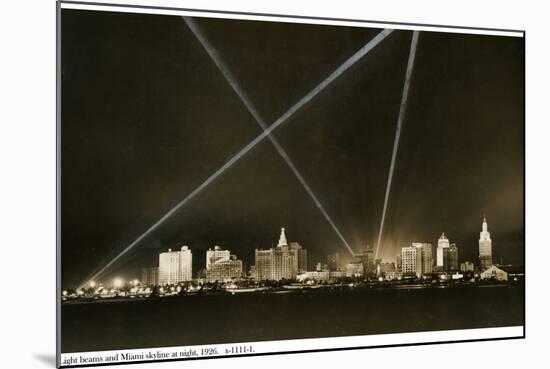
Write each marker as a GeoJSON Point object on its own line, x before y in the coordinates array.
{"type": "Point", "coordinates": [118, 282]}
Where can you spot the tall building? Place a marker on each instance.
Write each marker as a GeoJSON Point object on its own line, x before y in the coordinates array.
{"type": "Point", "coordinates": [450, 258]}
{"type": "Point", "coordinates": [417, 259]}
{"type": "Point", "coordinates": [366, 257]}
{"type": "Point", "coordinates": [426, 256]}
{"type": "Point", "coordinates": [409, 262]}
{"type": "Point", "coordinates": [398, 263]}
{"type": "Point", "coordinates": [442, 244]}
{"type": "Point", "coordinates": [175, 266]}
{"type": "Point", "coordinates": [485, 247]}
{"type": "Point", "coordinates": [302, 256]}
{"type": "Point", "coordinates": [150, 275]}
{"type": "Point", "coordinates": [283, 261]}
{"type": "Point", "coordinates": [213, 256]}
{"type": "Point", "coordinates": [333, 262]}
{"type": "Point", "coordinates": [222, 266]}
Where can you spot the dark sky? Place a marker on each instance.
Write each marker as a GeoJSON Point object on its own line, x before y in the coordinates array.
{"type": "Point", "coordinates": [147, 117]}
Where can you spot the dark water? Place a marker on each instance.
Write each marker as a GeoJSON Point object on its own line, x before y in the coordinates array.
{"type": "Point", "coordinates": [195, 320]}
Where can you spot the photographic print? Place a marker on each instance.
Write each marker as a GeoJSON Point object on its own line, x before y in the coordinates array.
{"type": "Point", "coordinates": [237, 184]}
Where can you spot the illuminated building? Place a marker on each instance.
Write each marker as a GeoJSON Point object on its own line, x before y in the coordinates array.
{"type": "Point", "coordinates": [494, 272]}
{"type": "Point", "coordinates": [485, 247]}
{"type": "Point", "coordinates": [411, 261]}
{"type": "Point", "coordinates": [315, 276]}
{"type": "Point", "coordinates": [442, 244]}
{"type": "Point", "coordinates": [282, 262]}
{"type": "Point", "coordinates": [222, 266]}
{"type": "Point", "coordinates": [366, 257]}
{"type": "Point", "coordinates": [214, 255]}
{"type": "Point", "coordinates": [417, 259]}
{"type": "Point", "coordinates": [467, 266]}
{"type": "Point", "coordinates": [426, 256]}
{"type": "Point", "coordinates": [354, 269]}
{"type": "Point", "coordinates": [175, 266]}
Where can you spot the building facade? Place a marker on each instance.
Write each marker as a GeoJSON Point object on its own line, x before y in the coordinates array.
{"type": "Point", "coordinates": [467, 266]}
{"type": "Point", "coordinates": [175, 266]}
{"type": "Point", "coordinates": [426, 256]}
{"type": "Point", "coordinates": [450, 258]}
{"type": "Point", "coordinates": [355, 269]}
{"type": "Point", "coordinates": [485, 247]}
{"type": "Point", "coordinates": [282, 262]}
{"type": "Point", "coordinates": [411, 262]}
{"type": "Point", "coordinates": [494, 272]}
{"type": "Point", "coordinates": [222, 266]}
{"type": "Point", "coordinates": [333, 262]}
{"type": "Point", "coordinates": [213, 256]}
{"type": "Point", "coordinates": [442, 244]}
{"type": "Point", "coordinates": [366, 257]}
{"type": "Point", "coordinates": [150, 275]}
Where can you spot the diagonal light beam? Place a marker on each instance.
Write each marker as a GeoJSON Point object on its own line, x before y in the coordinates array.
{"type": "Point", "coordinates": [230, 78]}
{"type": "Point", "coordinates": [400, 119]}
{"type": "Point", "coordinates": [282, 119]}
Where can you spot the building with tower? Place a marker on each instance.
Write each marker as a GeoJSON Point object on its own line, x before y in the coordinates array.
{"type": "Point", "coordinates": [485, 247]}
{"type": "Point", "coordinates": [282, 262]}
{"type": "Point", "coordinates": [442, 244]}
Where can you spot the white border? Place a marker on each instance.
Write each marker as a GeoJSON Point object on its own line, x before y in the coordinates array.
{"type": "Point", "coordinates": [301, 345]}
{"type": "Point", "coordinates": [206, 13]}
{"type": "Point", "coordinates": [313, 344]}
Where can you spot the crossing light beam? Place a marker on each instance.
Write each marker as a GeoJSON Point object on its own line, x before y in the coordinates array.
{"type": "Point", "coordinates": [400, 119]}
{"type": "Point", "coordinates": [214, 55]}
{"type": "Point", "coordinates": [282, 119]}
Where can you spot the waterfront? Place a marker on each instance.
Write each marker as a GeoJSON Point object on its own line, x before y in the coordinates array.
{"type": "Point", "coordinates": [226, 318]}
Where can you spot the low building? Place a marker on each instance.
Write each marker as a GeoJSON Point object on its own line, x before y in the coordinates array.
{"type": "Point", "coordinates": [494, 272]}
{"type": "Point", "coordinates": [355, 270]}
{"type": "Point", "coordinates": [337, 275]}
{"type": "Point", "coordinates": [225, 270]}
{"type": "Point", "coordinates": [319, 276]}
{"type": "Point", "coordinates": [467, 266]}
{"type": "Point", "coordinates": [390, 276]}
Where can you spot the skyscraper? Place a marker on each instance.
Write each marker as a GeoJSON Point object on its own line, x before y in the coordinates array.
{"type": "Point", "coordinates": [442, 244]}
{"type": "Point", "coordinates": [485, 247]}
{"type": "Point", "coordinates": [426, 256]}
{"type": "Point", "coordinates": [280, 262]}
{"type": "Point", "coordinates": [333, 262]}
{"type": "Point", "coordinates": [450, 258]}
{"type": "Point", "coordinates": [366, 257]}
{"type": "Point", "coordinates": [411, 261]}
{"type": "Point", "coordinates": [175, 266]}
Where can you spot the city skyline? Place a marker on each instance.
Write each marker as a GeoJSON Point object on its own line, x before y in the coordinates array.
{"type": "Point", "coordinates": [456, 143]}
{"type": "Point", "coordinates": [416, 258]}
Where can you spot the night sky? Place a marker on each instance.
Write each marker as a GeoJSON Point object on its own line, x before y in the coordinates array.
{"type": "Point", "coordinates": [147, 117]}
